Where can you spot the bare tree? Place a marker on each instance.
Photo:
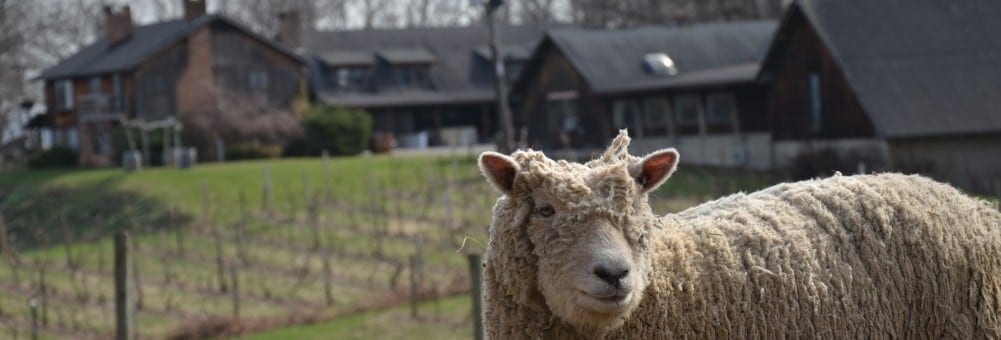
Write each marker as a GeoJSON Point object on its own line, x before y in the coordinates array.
{"type": "Point", "coordinates": [35, 35]}
{"type": "Point", "coordinates": [239, 117]}
{"type": "Point", "coordinates": [262, 15]}
{"type": "Point", "coordinates": [629, 13]}
{"type": "Point", "coordinates": [535, 11]}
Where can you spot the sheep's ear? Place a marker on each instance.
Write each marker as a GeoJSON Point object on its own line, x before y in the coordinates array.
{"type": "Point", "coordinates": [654, 169]}
{"type": "Point", "coordinates": [499, 170]}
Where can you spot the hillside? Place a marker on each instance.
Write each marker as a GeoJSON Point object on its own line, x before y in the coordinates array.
{"type": "Point", "coordinates": [337, 237]}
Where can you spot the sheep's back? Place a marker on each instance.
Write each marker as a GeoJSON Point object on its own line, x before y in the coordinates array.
{"type": "Point", "coordinates": [858, 256]}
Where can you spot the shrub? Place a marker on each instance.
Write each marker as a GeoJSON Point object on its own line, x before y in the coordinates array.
{"type": "Point", "coordinates": [56, 157]}
{"type": "Point", "coordinates": [340, 131]}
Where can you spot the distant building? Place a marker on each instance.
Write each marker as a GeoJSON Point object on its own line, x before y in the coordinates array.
{"type": "Point", "coordinates": [691, 87]}
{"type": "Point", "coordinates": [909, 85]}
{"type": "Point", "coordinates": [426, 86]}
{"type": "Point", "coordinates": [160, 70]}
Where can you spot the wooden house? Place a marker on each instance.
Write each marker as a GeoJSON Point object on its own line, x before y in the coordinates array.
{"type": "Point", "coordinates": [178, 68]}
{"type": "Point", "coordinates": [907, 85]}
{"type": "Point", "coordinates": [691, 87]}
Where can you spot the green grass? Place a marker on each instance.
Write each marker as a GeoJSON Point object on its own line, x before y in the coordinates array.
{"type": "Point", "coordinates": [445, 319]}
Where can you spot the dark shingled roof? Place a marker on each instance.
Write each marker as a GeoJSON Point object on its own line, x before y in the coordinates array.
{"type": "Point", "coordinates": [918, 67]}
{"type": "Point", "coordinates": [718, 53]}
{"type": "Point", "coordinates": [458, 73]}
{"type": "Point", "coordinates": [413, 55]}
{"type": "Point", "coordinates": [145, 41]}
{"type": "Point", "coordinates": [519, 52]}
{"type": "Point", "coordinates": [347, 58]}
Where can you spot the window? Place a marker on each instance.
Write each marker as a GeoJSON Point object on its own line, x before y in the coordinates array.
{"type": "Point", "coordinates": [63, 92]}
{"type": "Point", "coordinates": [118, 100]}
{"type": "Point", "coordinates": [564, 113]}
{"type": "Point", "coordinates": [95, 85]}
{"type": "Point", "coordinates": [625, 114]}
{"type": "Point", "coordinates": [512, 70]}
{"type": "Point", "coordinates": [815, 104]}
{"type": "Point", "coordinates": [656, 116]}
{"type": "Point", "coordinates": [721, 108]}
{"type": "Point", "coordinates": [343, 77]}
{"type": "Point", "coordinates": [686, 110]}
{"type": "Point", "coordinates": [66, 137]}
{"type": "Point", "coordinates": [351, 77]}
{"type": "Point", "coordinates": [413, 76]}
{"type": "Point", "coordinates": [562, 122]}
{"type": "Point", "coordinates": [655, 112]}
{"type": "Point", "coordinates": [259, 80]}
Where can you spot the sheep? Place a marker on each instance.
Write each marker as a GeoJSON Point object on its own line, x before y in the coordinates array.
{"type": "Point", "coordinates": [576, 252]}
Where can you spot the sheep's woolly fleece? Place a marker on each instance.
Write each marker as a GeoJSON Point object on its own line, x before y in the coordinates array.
{"type": "Point", "coordinates": [871, 256]}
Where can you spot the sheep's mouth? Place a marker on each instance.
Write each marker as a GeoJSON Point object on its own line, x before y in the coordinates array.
{"type": "Point", "coordinates": [605, 303]}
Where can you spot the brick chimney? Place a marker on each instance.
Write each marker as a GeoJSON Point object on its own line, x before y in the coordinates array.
{"type": "Point", "coordinates": [289, 29]}
{"type": "Point", "coordinates": [193, 9]}
{"type": "Point", "coordinates": [117, 25]}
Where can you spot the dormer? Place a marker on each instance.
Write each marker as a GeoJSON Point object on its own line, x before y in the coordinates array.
{"type": "Point", "coordinates": [410, 66]}
{"type": "Point", "coordinates": [348, 70]}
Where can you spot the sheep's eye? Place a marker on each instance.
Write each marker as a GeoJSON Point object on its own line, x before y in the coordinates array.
{"type": "Point", "coordinates": [545, 211]}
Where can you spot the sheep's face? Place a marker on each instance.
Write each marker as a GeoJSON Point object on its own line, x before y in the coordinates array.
{"type": "Point", "coordinates": [586, 227]}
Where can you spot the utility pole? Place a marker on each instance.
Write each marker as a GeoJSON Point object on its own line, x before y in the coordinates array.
{"type": "Point", "coordinates": [506, 143]}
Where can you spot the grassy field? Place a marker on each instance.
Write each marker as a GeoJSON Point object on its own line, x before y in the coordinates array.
{"type": "Point", "coordinates": [347, 226]}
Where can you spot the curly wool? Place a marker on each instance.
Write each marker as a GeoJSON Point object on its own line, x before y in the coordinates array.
{"type": "Point", "coordinates": [867, 256]}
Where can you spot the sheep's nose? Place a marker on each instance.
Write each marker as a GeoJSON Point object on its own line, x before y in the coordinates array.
{"type": "Point", "coordinates": [611, 274]}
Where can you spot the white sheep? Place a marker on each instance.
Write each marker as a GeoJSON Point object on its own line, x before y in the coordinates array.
{"type": "Point", "coordinates": [575, 252]}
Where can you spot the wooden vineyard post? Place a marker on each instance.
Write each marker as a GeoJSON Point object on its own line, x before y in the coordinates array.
{"type": "Point", "coordinates": [33, 305]}
{"type": "Point", "coordinates": [416, 275]}
{"type": "Point", "coordinates": [234, 276]}
{"type": "Point", "coordinates": [266, 198]}
{"type": "Point", "coordinates": [413, 286]}
{"type": "Point", "coordinates": [178, 232]}
{"type": "Point", "coordinates": [220, 262]}
{"type": "Point", "coordinates": [123, 299]}
{"type": "Point", "coordinates": [136, 282]}
{"type": "Point", "coordinates": [43, 294]}
{"type": "Point", "coordinates": [475, 288]}
{"type": "Point", "coordinates": [8, 253]}
{"type": "Point", "coordinates": [71, 262]}
{"type": "Point", "coordinates": [305, 189]}
{"type": "Point", "coordinates": [216, 238]}
{"type": "Point", "coordinates": [328, 294]}
{"type": "Point", "coordinates": [314, 221]}
{"type": "Point", "coordinates": [326, 177]}
{"type": "Point", "coordinates": [241, 230]}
